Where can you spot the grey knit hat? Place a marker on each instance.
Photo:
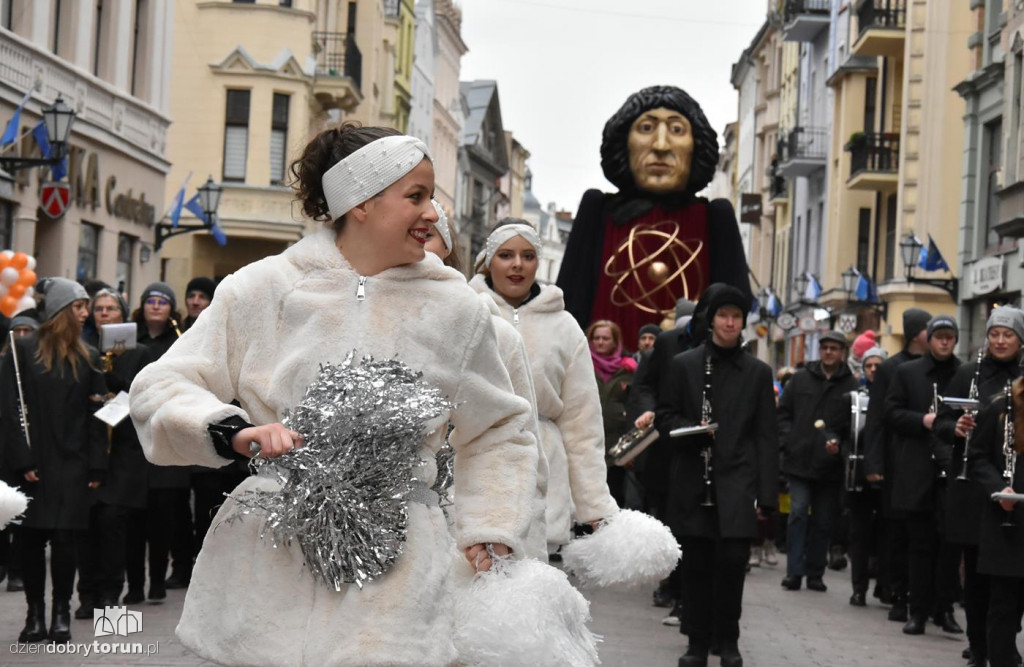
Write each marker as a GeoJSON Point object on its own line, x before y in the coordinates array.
{"type": "Point", "coordinates": [59, 293]}
{"type": "Point", "coordinates": [874, 352]}
{"type": "Point", "coordinates": [162, 290]}
{"type": "Point", "coordinates": [1009, 317]}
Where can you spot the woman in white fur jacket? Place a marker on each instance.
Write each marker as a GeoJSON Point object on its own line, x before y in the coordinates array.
{"type": "Point", "coordinates": [568, 405]}
{"type": "Point", "coordinates": [363, 284]}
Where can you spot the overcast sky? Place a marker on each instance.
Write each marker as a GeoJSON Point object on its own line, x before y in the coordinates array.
{"type": "Point", "coordinates": [563, 67]}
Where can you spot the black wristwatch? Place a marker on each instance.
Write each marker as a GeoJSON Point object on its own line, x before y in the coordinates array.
{"type": "Point", "coordinates": [223, 432]}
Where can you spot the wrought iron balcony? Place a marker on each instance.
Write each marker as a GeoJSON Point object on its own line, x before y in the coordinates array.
{"type": "Point", "coordinates": [881, 25]}
{"type": "Point", "coordinates": [803, 151]}
{"type": "Point", "coordinates": [339, 69]}
{"type": "Point", "coordinates": [874, 160]}
{"type": "Point", "coordinates": [803, 20]}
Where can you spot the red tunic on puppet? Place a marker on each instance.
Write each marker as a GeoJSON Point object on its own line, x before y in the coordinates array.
{"type": "Point", "coordinates": [633, 253]}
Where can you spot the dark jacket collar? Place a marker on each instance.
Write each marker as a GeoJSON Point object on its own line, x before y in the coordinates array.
{"type": "Point", "coordinates": [815, 368]}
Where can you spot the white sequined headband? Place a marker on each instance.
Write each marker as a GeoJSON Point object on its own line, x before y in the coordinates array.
{"type": "Point", "coordinates": [502, 234]}
{"type": "Point", "coordinates": [370, 170]}
{"type": "Point", "coordinates": [442, 225]}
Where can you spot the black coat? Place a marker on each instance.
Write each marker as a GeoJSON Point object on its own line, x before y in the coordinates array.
{"type": "Point", "coordinates": [164, 477]}
{"type": "Point", "coordinates": [966, 499]}
{"type": "Point", "coordinates": [69, 445]}
{"type": "Point", "coordinates": [811, 396]}
{"type": "Point", "coordinates": [918, 456]}
{"type": "Point", "coordinates": [745, 450]}
{"type": "Point", "coordinates": [127, 476]}
{"type": "Point", "coordinates": [1000, 548]}
{"type": "Point", "coordinates": [613, 394]}
{"type": "Point", "coordinates": [878, 454]}
{"type": "Point", "coordinates": [581, 264]}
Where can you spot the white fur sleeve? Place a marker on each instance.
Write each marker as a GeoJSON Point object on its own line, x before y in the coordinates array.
{"type": "Point", "coordinates": [175, 398]}
{"type": "Point", "coordinates": [582, 428]}
{"type": "Point", "coordinates": [495, 449]}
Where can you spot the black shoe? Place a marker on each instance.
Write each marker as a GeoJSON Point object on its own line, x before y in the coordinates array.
{"type": "Point", "coordinates": [816, 584]}
{"type": "Point", "coordinates": [857, 600]}
{"type": "Point", "coordinates": [948, 623]}
{"type": "Point", "coordinates": [555, 558]}
{"type": "Point", "coordinates": [157, 592]}
{"type": "Point", "coordinates": [15, 584]}
{"type": "Point", "coordinates": [881, 593]}
{"type": "Point", "coordinates": [966, 653]}
{"type": "Point", "coordinates": [978, 661]}
{"type": "Point", "coordinates": [914, 626]}
{"type": "Point", "coordinates": [60, 623]}
{"type": "Point", "coordinates": [836, 559]}
{"type": "Point", "coordinates": [177, 581]}
{"type": "Point", "coordinates": [85, 607]}
{"type": "Point", "coordinates": [791, 582]}
{"type": "Point", "coordinates": [730, 656]}
{"type": "Point", "coordinates": [898, 612]}
{"type": "Point", "coordinates": [134, 596]}
{"type": "Point", "coordinates": [3, 572]}
{"type": "Point", "coordinates": [696, 655]}
{"type": "Point", "coordinates": [35, 623]}
{"type": "Point", "coordinates": [663, 597]}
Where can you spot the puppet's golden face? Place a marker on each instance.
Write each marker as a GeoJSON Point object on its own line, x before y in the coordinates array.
{"type": "Point", "coordinates": [660, 151]}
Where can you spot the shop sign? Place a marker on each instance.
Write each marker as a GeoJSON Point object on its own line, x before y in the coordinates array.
{"type": "Point", "coordinates": [847, 322]}
{"type": "Point", "coordinates": [808, 324]}
{"type": "Point", "coordinates": [986, 275]}
{"type": "Point", "coordinates": [786, 321]}
{"type": "Point", "coordinates": [750, 208]}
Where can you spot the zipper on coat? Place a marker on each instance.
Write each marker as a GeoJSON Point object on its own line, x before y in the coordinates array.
{"type": "Point", "coordinates": [515, 316]}
{"type": "Point", "coordinates": [361, 290]}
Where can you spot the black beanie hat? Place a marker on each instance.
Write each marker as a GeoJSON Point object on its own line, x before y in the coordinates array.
{"type": "Point", "coordinates": [915, 320]}
{"type": "Point", "coordinates": [943, 322]}
{"type": "Point", "coordinates": [653, 329]}
{"type": "Point", "coordinates": [162, 290]}
{"type": "Point", "coordinates": [727, 295]}
{"type": "Point", "coordinates": [201, 284]}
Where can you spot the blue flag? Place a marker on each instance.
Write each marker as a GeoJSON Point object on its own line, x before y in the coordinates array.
{"type": "Point", "coordinates": [59, 170]}
{"type": "Point", "coordinates": [11, 131]}
{"type": "Point", "coordinates": [931, 259]}
{"type": "Point", "coordinates": [863, 291]}
{"type": "Point", "coordinates": [813, 288]}
{"type": "Point", "coordinates": [218, 234]}
{"type": "Point", "coordinates": [179, 201]}
{"type": "Point", "coordinates": [193, 206]}
{"type": "Point", "coordinates": [774, 306]}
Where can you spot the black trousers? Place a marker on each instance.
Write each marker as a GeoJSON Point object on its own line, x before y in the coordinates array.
{"type": "Point", "coordinates": [934, 566]}
{"type": "Point", "coordinates": [209, 488]}
{"type": "Point", "coordinates": [102, 551]}
{"type": "Point", "coordinates": [1006, 601]}
{"type": "Point", "coordinates": [135, 549]}
{"type": "Point", "coordinates": [866, 524]}
{"type": "Point", "coordinates": [977, 589]}
{"type": "Point", "coordinates": [166, 525]}
{"type": "Point", "coordinates": [713, 572]}
{"type": "Point", "coordinates": [62, 563]}
{"type": "Point", "coordinates": [894, 563]}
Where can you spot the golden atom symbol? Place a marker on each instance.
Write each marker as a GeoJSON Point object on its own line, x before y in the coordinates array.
{"type": "Point", "coordinates": [632, 262]}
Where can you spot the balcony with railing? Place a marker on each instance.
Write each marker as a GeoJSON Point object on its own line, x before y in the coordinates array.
{"type": "Point", "coordinates": [339, 70]}
{"type": "Point", "coordinates": [803, 20]}
{"type": "Point", "coordinates": [881, 26]}
{"type": "Point", "coordinates": [778, 188]}
{"type": "Point", "coordinates": [803, 151]}
{"type": "Point", "coordinates": [874, 161]}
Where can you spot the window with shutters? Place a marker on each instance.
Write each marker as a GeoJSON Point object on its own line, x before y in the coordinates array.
{"type": "Point", "coordinates": [236, 135]}
{"type": "Point", "coordinates": [279, 138]}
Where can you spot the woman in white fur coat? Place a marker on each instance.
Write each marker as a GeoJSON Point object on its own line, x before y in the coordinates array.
{"type": "Point", "coordinates": [364, 284]}
{"type": "Point", "coordinates": [441, 241]}
{"type": "Point", "coordinates": [568, 405]}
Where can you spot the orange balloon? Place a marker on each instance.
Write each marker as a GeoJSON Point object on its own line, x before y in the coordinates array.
{"type": "Point", "coordinates": [17, 290]}
{"type": "Point", "coordinates": [5, 261]}
{"type": "Point", "coordinates": [8, 305]}
{"type": "Point", "coordinates": [27, 277]}
{"type": "Point", "coordinates": [19, 261]}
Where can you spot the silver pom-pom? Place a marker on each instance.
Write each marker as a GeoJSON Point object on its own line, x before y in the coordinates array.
{"type": "Point", "coordinates": [343, 494]}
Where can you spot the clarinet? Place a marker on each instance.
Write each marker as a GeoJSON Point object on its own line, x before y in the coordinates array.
{"type": "Point", "coordinates": [940, 473]}
{"type": "Point", "coordinates": [706, 418]}
{"type": "Point", "coordinates": [973, 394]}
{"type": "Point", "coordinates": [22, 408]}
{"type": "Point", "coordinates": [174, 324]}
{"type": "Point", "coordinates": [1009, 451]}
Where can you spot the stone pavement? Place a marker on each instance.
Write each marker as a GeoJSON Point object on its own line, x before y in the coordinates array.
{"type": "Point", "coordinates": [779, 628]}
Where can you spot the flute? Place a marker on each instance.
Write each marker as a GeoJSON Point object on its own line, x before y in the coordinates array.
{"type": "Point", "coordinates": [22, 408]}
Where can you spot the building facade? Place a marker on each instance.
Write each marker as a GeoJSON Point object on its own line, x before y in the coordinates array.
{"type": "Point", "coordinates": [483, 161]}
{"type": "Point", "coordinates": [449, 111]}
{"type": "Point", "coordinates": [109, 61]}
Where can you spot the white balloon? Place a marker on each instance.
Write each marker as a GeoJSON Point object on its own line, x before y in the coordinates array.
{"type": "Point", "coordinates": [24, 303]}
{"type": "Point", "coordinates": [3, 290]}
{"type": "Point", "coordinates": [7, 253]}
{"type": "Point", "coordinates": [9, 276]}
{"type": "Point", "coordinates": [31, 263]}
{"type": "Point", "coordinates": [30, 291]}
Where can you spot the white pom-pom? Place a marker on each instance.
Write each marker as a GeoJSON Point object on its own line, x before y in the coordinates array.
{"type": "Point", "coordinates": [523, 613]}
{"type": "Point", "coordinates": [631, 549]}
{"type": "Point", "coordinates": [12, 504]}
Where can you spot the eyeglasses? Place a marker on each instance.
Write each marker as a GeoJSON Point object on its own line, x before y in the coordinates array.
{"type": "Point", "coordinates": [108, 309]}
{"type": "Point", "coordinates": [157, 302]}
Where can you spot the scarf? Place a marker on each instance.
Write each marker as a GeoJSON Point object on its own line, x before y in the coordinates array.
{"type": "Point", "coordinates": [606, 367]}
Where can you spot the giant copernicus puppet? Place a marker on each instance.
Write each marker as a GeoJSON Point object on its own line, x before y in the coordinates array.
{"type": "Point", "coordinates": [633, 253]}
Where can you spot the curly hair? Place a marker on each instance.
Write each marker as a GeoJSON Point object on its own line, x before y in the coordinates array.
{"type": "Point", "coordinates": [614, 142]}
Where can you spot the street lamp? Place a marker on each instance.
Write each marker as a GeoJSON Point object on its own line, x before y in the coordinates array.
{"type": "Point", "coordinates": [800, 284]}
{"type": "Point", "coordinates": [850, 278]}
{"type": "Point", "coordinates": [910, 251]}
{"type": "Point", "coordinates": [209, 201]}
{"type": "Point", "coordinates": [57, 120]}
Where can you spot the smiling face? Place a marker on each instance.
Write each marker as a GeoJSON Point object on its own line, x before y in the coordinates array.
{"type": "Point", "coordinates": [514, 270]}
{"type": "Point", "coordinates": [1003, 344]}
{"type": "Point", "coordinates": [435, 243]}
{"type": "Point", "coordinates": [660, 151]}
{"type": "Point", "coordinates": [391, 228]}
